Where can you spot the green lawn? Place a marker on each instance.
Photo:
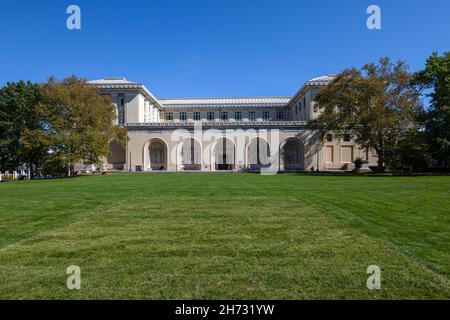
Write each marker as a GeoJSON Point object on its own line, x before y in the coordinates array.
{"type": "Point", "coordinates": [225, 236]}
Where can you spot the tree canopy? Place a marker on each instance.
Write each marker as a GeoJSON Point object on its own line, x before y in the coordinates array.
{"type": "Point", "coordinates": [376, 104]}
{"type": "Point", "coordinates": [436, 77]}
{"type": "Point", "coordinates": [78, 121]}
{"type": "Point", "coordinates": [61, 123]}
{"type": "Point", "coordinates": [18, 117]}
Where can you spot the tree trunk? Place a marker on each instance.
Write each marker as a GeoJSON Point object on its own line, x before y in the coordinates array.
{"type": "Point", "coordinates": [30, 170]}
{"type": "Point", "coordinates": [380, 152]}
{"type": "Point", "coordinates": [380, 161]}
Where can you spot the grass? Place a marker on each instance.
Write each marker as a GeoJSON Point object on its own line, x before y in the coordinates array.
{"type": "Point", "coordinates": [225, 236]}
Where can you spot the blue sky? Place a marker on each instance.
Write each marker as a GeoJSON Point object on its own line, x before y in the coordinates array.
{"type": "Point", "coordinates": [214, 47]}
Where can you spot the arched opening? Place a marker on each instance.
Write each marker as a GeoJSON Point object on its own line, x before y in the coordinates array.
{"type": "Point", "coordinates": [157, 155]}
{"type": "Point", "coordinates": [117, 156]}
{"type": "Point", "coordinates": [190, 155]}
{"type": "Point", "coordinates": [293, 155]}
{"type": "Point", "coordinates": [258, 154]}
{"type": "Point", "coordinates": [224, 155]}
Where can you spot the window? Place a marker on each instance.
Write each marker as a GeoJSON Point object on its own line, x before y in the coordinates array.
{"type": "Point", "coordinates": [224, 116]}
{"type": "Point", "coordinates": [210, 116]}
{"type": "Point", "coordinates": [304, 107]}
{"type": "Point", "coordinates": [266, 115]}
{"type": "Point", "coordinates": [238, 116]}
{"type": "Point", "coordinates": [183, 116]}
{"type": "Point", "coordinates": [280, 115]}
{"type": "Point", "coordinates": [347, 154]}
{"type": "Point", "coordinates": [252, 116]}
{"type": "Point", "coordinates": [347, 137]}
{"type": "Point", "coordinates": [169, 116]}
{"type": "Point", "coordinates": [146, 110]}
{"type": "Point", "coordinates": [197, 116]}
{"type": "Point", "coordinates": [329, 137]}
{"type": "Point", "coordinates": [314, 93]}
{"type": "Point", "coordinates": [329, 154]}
{"type": "Point", "coordinates": [121, 108]}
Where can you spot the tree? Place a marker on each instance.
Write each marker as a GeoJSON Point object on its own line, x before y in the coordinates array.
{"type": "Point", "coordinates": [436, 76]}
{"type": "Point", "coordinates": [78, 122]}
{"type": "Point", "coordinates": [18, 119]}
{"type": "Point", "coordinates": [376, 104]}
{"type": "Point", "coordinates": [413, 155]}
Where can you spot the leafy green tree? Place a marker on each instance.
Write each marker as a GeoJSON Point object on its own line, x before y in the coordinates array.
{"type": "Point", "coordinates": [18, 119]}
{"type": "Point", "coordinates": [78, 122]}
{"type": "Point", "coordinates": [413, 155]}
{"type": "Point", "coordinates": [436, 76]}
{"type": "Point", "coordinates": [376, 104]}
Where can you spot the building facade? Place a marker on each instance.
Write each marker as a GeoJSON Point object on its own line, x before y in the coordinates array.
{"type": "Point", "coordinates": [224, 134]}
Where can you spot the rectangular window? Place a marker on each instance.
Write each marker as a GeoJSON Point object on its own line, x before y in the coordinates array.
{"type": "Point", "coordinates": [224, 116]}
{"type": "Point", "coordinates": [197, 116]}
{"type": "Point", "coordinates": [280, 115]}
{"type": "Point", "coordinates": [329, 154]}
{"type": "Point", "coordinates": [238, 116]}
{"type": "Point", "coordinates": [266, 115]}
{"type": "Point", "coordinates": [121, 108]}
{"type": "Point", "coordinates": [346, 154]}
{"type": "Point", "coordinates": [169, 116]}
{"type": "Point", "coordinates": [210, 116]}
{"type": "Point", "coordinates": [183, 116]}
{"type": "Point", "coordinates": [304, 108]}
{"type": "Point", "coordinates": [329, 137]}
{"type": "Point", "coordinates": [252, 116]}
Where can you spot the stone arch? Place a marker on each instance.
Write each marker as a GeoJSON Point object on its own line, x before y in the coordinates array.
{"type": "Point", "coordinates": [223, 155]}
{"type": "Point", "coordinates": [189, 154]}
{"type": "Point", "coordinates": [292, 155]}
{"type": "Point", "coordinates": [156, 152]}
{"type": "Point", "coordinates": [257, 154]}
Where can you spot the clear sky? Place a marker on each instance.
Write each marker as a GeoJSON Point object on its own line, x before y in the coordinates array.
{"type": "Point", "coordinates": [214, 47]}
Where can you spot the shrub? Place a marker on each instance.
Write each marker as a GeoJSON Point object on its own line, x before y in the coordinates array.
{"type": "Point", "coordinates": [358, 163]}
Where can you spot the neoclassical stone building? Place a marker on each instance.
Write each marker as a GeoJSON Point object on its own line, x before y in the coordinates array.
{"type": "Point", "coordinates": [224, 134]}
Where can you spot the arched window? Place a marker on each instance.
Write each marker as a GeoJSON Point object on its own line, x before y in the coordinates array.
{"type": "Point", "coordinates": [224, 154]}
{"type": "Point", "coordinates": [258, 154]}
{"type": "Point", "coordinates": [293, 155]}
{"type": "Point", "coordinates": [158, 155]}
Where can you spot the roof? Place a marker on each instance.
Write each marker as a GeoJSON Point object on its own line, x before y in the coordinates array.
{"type": "Point", "coordinates": [112, 81]}
{"type": "Point", "coordinates": [226, 102]}
{"type": "Point", "coordinates": [324, 80]}
{"type": "Point", "coordinates": [319, 81]}
{"type": "Point", "coordinates": [123, 83]}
